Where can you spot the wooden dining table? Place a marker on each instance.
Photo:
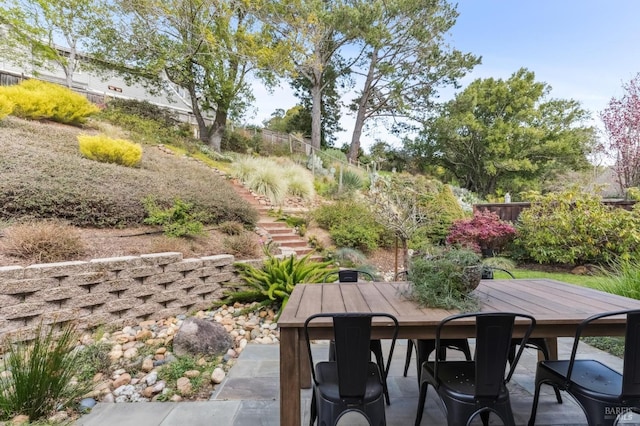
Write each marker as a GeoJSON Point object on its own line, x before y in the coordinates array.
{"type": "Point", "coordinates": [558, 308]}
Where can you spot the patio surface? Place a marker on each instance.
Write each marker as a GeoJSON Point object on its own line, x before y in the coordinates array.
{"type": "Point", "coordinates": [249, 396]}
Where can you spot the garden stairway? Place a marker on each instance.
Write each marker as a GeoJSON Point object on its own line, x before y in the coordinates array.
{"type": "Point", "coordinates": [270, 228]}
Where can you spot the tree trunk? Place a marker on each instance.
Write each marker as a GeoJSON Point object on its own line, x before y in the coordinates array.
{"type": "Point", "coordinates": [405, 253]}
{"type": "Point", "coordinates": [217, 130]}
{"type": "Point", "coordinates": [203, 129]}
{"type": "Point", "coordinates": [361, 116]}
{"type": "Point", "coordinates": [316, 114]}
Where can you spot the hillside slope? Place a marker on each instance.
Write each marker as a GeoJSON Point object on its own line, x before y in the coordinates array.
{"type": "Point", "coordinates": [43, 175]}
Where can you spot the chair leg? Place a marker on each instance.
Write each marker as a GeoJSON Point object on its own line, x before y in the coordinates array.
{"type": "Point", "coordinates": [313, 412]}
{"type": "Point", "coordinates": [421, 400]}
{"type": "Point", "coordinates": [407, 359]}
{"type": "Point", "coordinates": [534, 406]}
{"type": "Point", "coordinates": [376, 348]}
{"type": "Point", "coordinates": [541, 345]}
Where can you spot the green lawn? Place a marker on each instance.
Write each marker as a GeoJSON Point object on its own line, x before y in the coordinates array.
{"type": "Point", "coordinates": [582, 280]}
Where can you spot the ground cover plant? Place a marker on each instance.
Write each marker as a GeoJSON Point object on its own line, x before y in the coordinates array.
{"type": "Point", "coordinates": [44, 177]}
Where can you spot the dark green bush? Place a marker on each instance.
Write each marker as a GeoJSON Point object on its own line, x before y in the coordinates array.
{"type": "Point", "coordinates": [572, 227]}
{"type": "Point", "coordinates": [351, 224]}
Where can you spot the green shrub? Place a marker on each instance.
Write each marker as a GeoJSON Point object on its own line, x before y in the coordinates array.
{"type": "Point", "coordinates": [351, 224]}
{"type": "Point", "coordinates": [241, 142]}
{"type": "Point", "coordinates": [276, 279]}
{"type": "Point", "coordinates": [107, 150]}
{"type": "Point", "coordinates": [145, 110]}
{"type": "Point", "coordinates": [150, 124]}
{"type": "Point", "coordinates": [43, 242]}
{"type": "Point", "coordinates": [38, 100]}
{"type": "Point", "coordinates": [442, 207]}
{"type": "Point", "coordinates": [577, 228]}
{"type": "Point", "coordinates": [6, 106]}
{"type": "Point", "coordinates": [178, 220]}
{"type": "Point", "coordinates": [41, 374]}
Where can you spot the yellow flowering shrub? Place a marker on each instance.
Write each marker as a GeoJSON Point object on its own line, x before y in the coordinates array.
{"type": "Point", "coordinates": [39, 100]}
{"type": "Point", "coordinates": [6, 106]}
{"type": "Point", "coordinates": [107, 150]}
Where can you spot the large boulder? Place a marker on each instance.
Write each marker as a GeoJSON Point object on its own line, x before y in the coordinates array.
{"type": "Point", "coordinates": [200, 337]}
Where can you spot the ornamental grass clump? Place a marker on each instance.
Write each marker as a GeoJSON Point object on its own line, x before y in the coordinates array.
{"type": "Point", "coordinates": [446, 279]}
{"type": "Point", "coordinates": [40, 378]}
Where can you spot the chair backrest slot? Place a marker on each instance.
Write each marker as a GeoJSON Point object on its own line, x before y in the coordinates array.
{"type": "Point", "coordinates": [493, 341]}
{"type": "Point", "coordinates": [352, 340]}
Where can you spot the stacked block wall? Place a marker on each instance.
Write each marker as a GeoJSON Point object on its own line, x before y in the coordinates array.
{"type": "Point", "coordinates": [111, 291]}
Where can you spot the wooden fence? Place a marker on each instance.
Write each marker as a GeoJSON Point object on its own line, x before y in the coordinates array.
{"type": "Point", "coordinates": [511, 211]}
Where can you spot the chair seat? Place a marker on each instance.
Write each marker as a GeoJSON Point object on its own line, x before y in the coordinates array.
{"type": "Point", "coordinates": [327, 376]}
{"type": "Point", "coordinates": [457, 379]}
{"type": "Point", "coordinates": [589, 377]}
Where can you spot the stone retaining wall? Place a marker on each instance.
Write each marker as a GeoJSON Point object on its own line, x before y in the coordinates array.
{"type": "Point", "coordinates": [111, 291]}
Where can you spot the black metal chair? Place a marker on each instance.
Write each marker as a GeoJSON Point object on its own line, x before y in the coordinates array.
{"type": "Point", "coordinates": [351, 276]}
{"type": "Point", "coordinates": [601, 392]}
{"type": "Point", "coordinates": [348, 275]}
{"type": "Point", "coordinates": [351, 382]}
{"type": "Point", "coordinates": [469, 388]}
{"type": "Point", "coordinates": [424, 347]}
{"type": "Point", "coordinates": [538, 343]}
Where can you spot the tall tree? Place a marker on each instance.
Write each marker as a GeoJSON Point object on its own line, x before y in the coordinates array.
{"type": "Point", "coordinates": [504, 136]}
{"type": "Point", "coordinates": [208, 47]}
{"type": "Point", "coordinates": [621, 120]}
{"type": "Point", "coordinates": [405, 62]}
{"type": "Point", "coordinates": [321, 28]}
{"type": "Point", "coordinates": [55, 31]}
{"type": "Point", "coordinates": [330, 108]}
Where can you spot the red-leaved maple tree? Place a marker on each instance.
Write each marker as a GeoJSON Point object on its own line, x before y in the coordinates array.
{"type": "Point", "coordinates": [621, 120]}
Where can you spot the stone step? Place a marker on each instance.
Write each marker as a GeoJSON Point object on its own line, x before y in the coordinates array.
{"type": "Point", "coordinates": [278, 231]}
{"type": "Point", "coordinates": [289, 236]}
{"type": "Point", "coordinates": [291, 243]}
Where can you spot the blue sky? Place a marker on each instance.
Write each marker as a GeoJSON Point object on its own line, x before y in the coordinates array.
{"type": "Point", "coordinates": [584, 49]}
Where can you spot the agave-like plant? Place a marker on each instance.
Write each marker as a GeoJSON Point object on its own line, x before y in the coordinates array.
{"type": "Point", "coordinates": [276, 279]}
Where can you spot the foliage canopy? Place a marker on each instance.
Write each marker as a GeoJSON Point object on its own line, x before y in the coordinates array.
{"type": "Point", "coordinates": [505, 136]}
